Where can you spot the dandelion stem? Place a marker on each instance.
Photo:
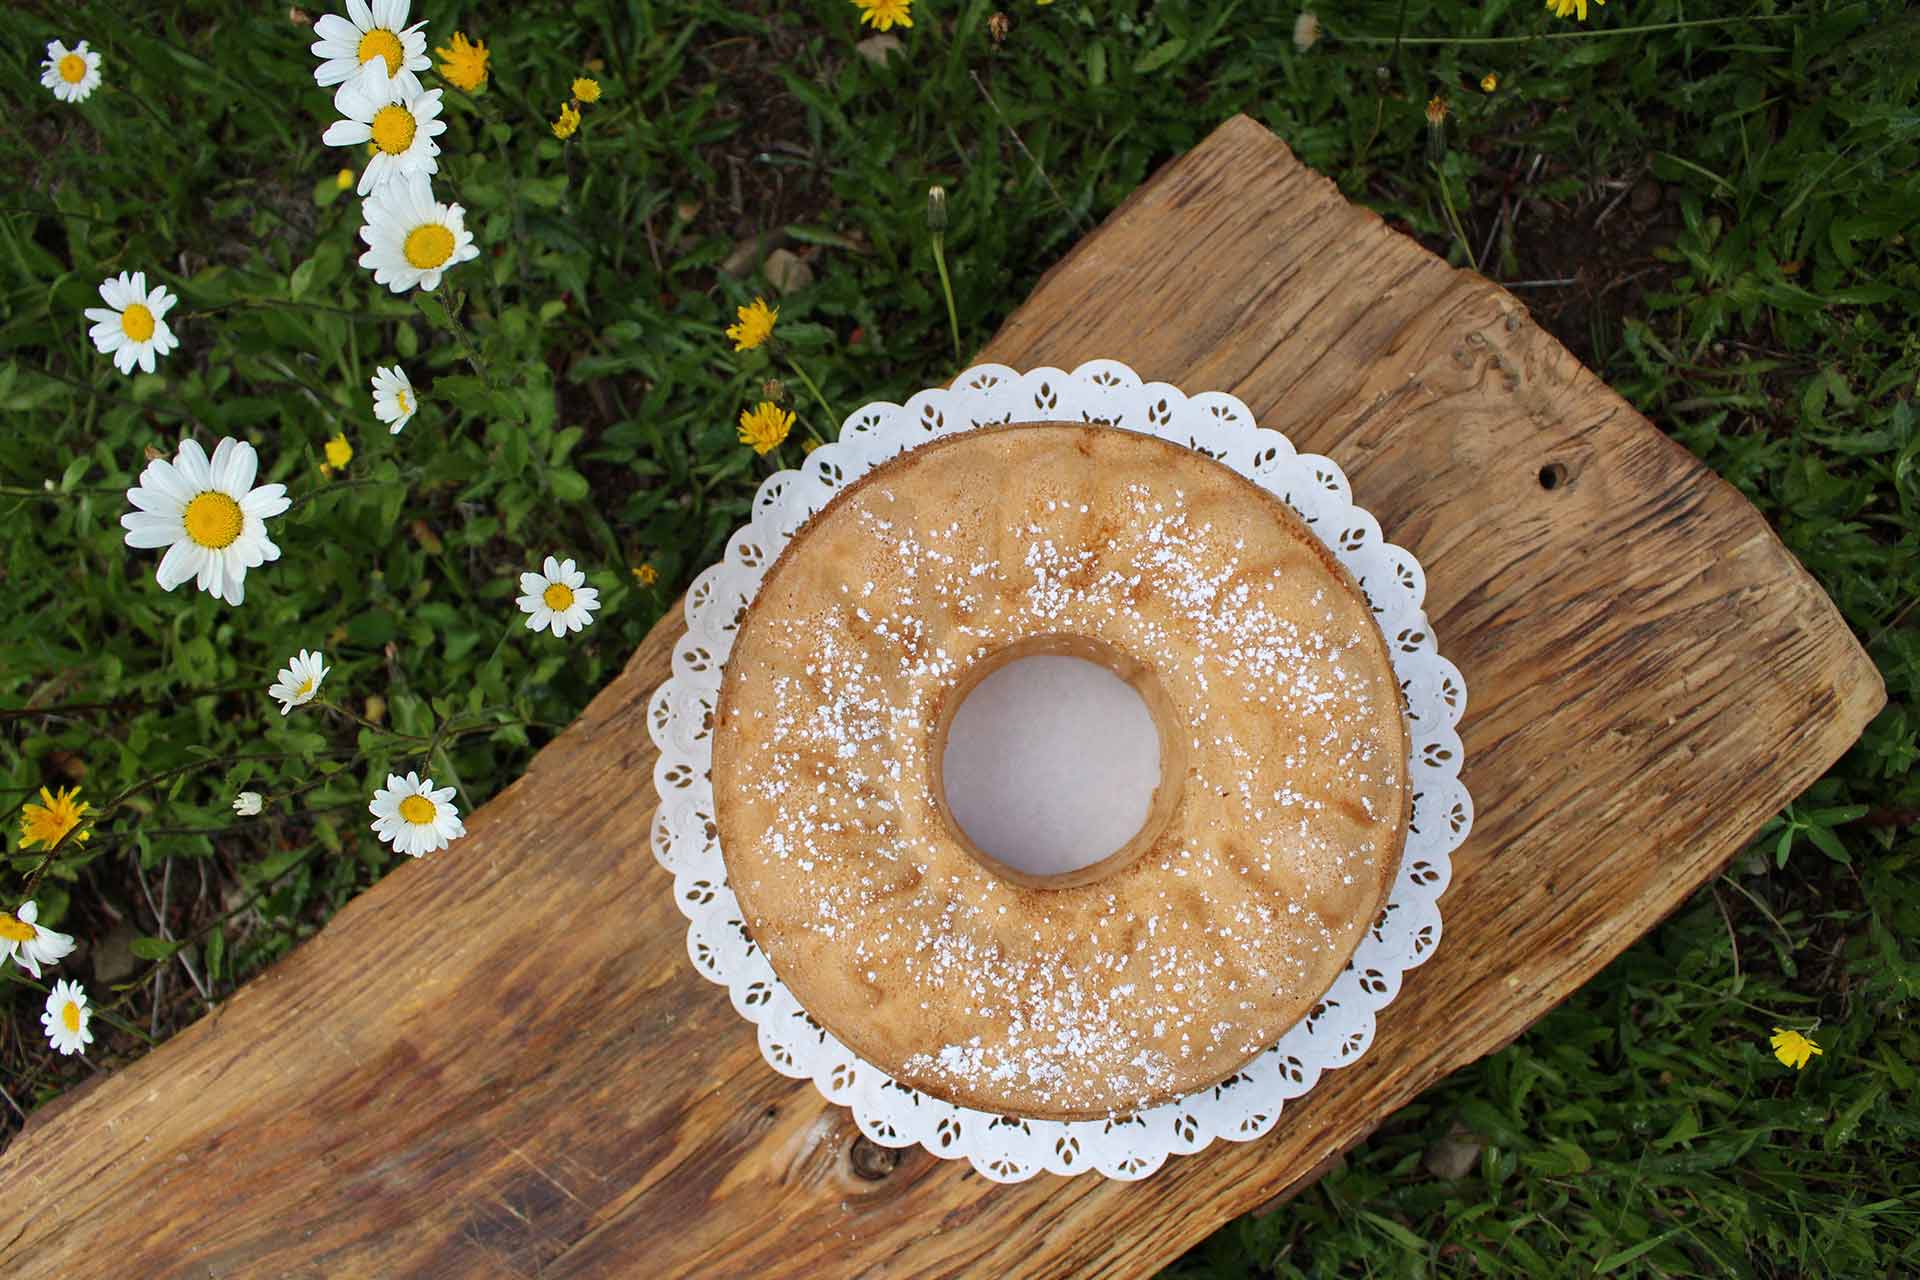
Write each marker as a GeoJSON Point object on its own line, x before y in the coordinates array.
{"type": "Point", "coordinates": [1562, 35]}
{"type": "Point", "coordinates": [1453, 219]}
{"type": "Point", "coordinates": [946, 287]}
{"type": "Point", "coordinates": [824, 406]}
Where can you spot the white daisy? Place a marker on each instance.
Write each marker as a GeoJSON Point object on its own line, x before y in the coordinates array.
{"type": "Point", "coordinates": [247, 804]}
{"type": "Point", "coordinates": [394, 401]}
{"type": "Point", "coordinates": [557, 597]}
{"type": "Point", "coordinates": [401, 126]}
{"type": "Point", "coordinates": [134, 329]}
{"type": "Point", "coordinates": [73, 74]}
{"type": "Point", "coordinates": [32, 945]}
{"type": "Point", "coordinates": [299, 680]}
{"type": "Point", "coordinates": [369, 31]}
{"type": "Point", "coordinates": [414, 818]}
{"type": "Point", "coordinates": [208, 516]}
{"type": "Point", "coordinates": [67, 1017]}
{"type": "Point", "coordinates": [411, 239]}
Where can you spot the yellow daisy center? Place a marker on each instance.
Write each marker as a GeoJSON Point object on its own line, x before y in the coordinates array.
{"type": "Point", "coordinates": [137, 322]}
{"type": "Point", "coordinates": [382, 43]}
{"type": "Point", "coordinates": [306, 687]}
{"type": "Point", "coordinates": [418, 810]}
{"type": "Point", "coordinates": [214, 520]}
{"type": "Point", "coordinates": [73, 68]}
{"type": "Point", "coordinates": [393, 129]}
{"type": "Point", "coordinates": [428, 245]}
{"type": "Point", "coordinates": [558, 597]}
{"type": "Point", "coordinates": [400, 399]}
{"type": "Point", "coordinates": [70, 1016]}
{"type": "Point", "coordinates": [14, 929]}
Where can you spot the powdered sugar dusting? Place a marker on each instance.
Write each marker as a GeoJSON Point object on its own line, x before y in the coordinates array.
{"type": "Point", "coordinates": [1103, 996]}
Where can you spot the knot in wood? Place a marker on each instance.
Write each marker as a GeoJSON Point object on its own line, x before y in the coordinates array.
{"type": "Point", "coordinates": [870, 1160]}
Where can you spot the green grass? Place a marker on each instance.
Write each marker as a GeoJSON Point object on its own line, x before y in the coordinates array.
{"type": "Point", "coordinates": [1720, 220]}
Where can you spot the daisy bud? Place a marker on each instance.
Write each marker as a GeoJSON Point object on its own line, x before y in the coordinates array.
{"type": "Point", "coordinates": [1306, 31]}
{"type": "Point", "coordinates": [937, 210]}
{"type": "Point", "coordinates": [247, 804]}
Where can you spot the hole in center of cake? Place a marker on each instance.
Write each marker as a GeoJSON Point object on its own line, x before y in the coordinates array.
{"type": "Point", "coordinates": [1050, 762]}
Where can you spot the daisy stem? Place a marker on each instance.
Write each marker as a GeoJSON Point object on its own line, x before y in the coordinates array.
{"type": "Point", "coordinates": [1563, 35]}
{"type": "Point", "coordinates": [339, 486]}
{"type": "Point", "coordinates": [146, 407]}
{"type": "Point", "coordinates": [18, 491]}
{"type": "Point", "coordinates": [191, 765]}
{"type": "Point", "coordinates": [458, 328]}
{"type": "Point", "coordinates": [946, 287]}
{"type": "Point", "coordinates": [363, 317]}
{"type": "Point", "coordinates": [166, 127]}
{"type": "Point", "coordinates": [365, 723]}
{"type": "Point", "coordinates": [795, 366]}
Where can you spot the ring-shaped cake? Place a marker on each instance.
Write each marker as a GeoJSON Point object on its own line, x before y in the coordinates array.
{"type": "Point", "coordinates": [1271, 841]}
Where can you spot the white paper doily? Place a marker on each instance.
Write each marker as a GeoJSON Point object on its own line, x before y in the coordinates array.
{"type": "Point", "coordinates": [1340, 1027]}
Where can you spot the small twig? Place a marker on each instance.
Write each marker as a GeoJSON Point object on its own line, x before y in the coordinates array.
{"type": "Point", "coordinates": [1612, 204]}
{"type": "Point", "coordinates": [12, 1103]}
{"type": "Point", "coordinates": [1486, 250]}
{"type": "Point", "coordinates": [1540, 284]}
{"type": "Point", "coordinates": [1006, 124]}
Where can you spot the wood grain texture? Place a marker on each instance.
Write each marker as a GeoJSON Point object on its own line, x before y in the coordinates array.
{"type": "Point", "coordinates": [498, 1061]}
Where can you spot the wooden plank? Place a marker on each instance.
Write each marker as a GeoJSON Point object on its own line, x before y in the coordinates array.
{"type": "Point", "coordinates": [498, 1061]}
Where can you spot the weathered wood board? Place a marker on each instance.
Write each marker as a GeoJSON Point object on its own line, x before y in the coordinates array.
{"type": "Point", "coordinates": [499, 1061]}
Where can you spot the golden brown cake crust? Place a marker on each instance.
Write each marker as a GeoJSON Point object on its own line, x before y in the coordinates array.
{"type": "Point", "coordinates": [1283, 830]}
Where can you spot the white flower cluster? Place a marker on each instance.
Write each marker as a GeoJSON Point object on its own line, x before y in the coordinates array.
{"type": "Point", "coordinates": [374, 56]}
{"type": "Point", "coordinates": [31, 944]}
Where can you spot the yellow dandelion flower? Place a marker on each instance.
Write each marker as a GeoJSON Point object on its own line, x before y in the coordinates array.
{"type": "Point", "coordinates": [1792, 1048]}
{"type": "Point", "coordinates": [764, 426]}
{"type": "Point", "coordinates": [463, 63]}
{"type": "Point", "coordinates": [339, 452]}
{"type": "Point", "coordinates": [343, 179]}
{"type": "Point", "coordinates": [1436, 109]}
{"type": "Point", "coordinates": [645, 574]}
{"type": "Point", "coordinates": [884, 15]}
{"type": "Point", "coordinates": [755, 326]}
{"type": "Point", "coordinates": [568, 123]}
{"type": "Point", "coordinates": [1489, 82]}
{"type": "Point", "coordinates": [47, 823]}
{"type": "Point", "coordinates": [586, 90]}
{"type": "Point", "coordinates": [1571, 8]}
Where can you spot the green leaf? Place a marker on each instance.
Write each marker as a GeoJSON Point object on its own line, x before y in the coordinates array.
{"type": "Point", "coordinates": [153, 948]}
{"type": "Point", "coordinates": [1154, 59]}
{"type": "Point", "coordinates": [1829, 844]}
{"type": "Point", "coordinates": [568, 485]}
{"type": "Point", "coordinates": [1096, 64]}
{"type": "Point", "coordinates": [1614, 1261]}
{"type": "Point", "coordinates": [1398, 1234]}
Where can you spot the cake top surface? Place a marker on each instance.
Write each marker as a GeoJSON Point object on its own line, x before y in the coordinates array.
{"type": "Point", "coordinates": [1285, 786]}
